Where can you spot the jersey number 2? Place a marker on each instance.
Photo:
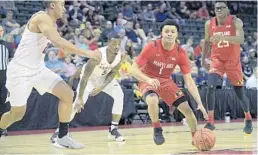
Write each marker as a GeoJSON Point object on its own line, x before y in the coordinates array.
{"type": "Point", "coordinates": [223, 43]}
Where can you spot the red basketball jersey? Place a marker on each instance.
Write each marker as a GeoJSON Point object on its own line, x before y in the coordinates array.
{"type": "Point", "coordinates": [224, 50]}
{"type": "Point", "coordinates": [156, 62]}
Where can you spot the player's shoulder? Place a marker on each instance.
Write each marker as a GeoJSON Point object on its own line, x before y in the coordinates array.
{"type": "Point", "coordinates": [103, 49]}
{"type": "Point", "coordinates": [153, 44]}
{"type": "Point", "coordinates": [181, 50]}
{"type": "Point", "coordinates": [236, 20]}
{"type": "Point", "coordinates": [208, 22]}
{"type": "Point", "coordinates": [40, 16]}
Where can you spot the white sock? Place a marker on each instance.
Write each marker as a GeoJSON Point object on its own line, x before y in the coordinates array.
{"type": "Point", "coordinates": [57, 129]}
{"type": "Point", "coordinates": [114, 125]}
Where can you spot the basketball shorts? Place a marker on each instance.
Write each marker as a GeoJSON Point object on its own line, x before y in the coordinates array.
{"type": "Point", "coordinates": [113, 89]}
{"type": "Point", "coordinates": [167, 91]}
{"type": "Point", "coordinates": [21, 81]}
{"type": "Point", "coordinates": [232, 68]}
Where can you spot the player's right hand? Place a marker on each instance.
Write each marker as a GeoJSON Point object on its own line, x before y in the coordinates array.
{"type": "Point", "coordinates": [79, 105]}
{"type": "Point", "coordinates": [154, 83]}
{"type": "Point", "coordinates": [95, 55]}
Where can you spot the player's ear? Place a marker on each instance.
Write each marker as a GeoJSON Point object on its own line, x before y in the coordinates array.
{"type": "Point", "coordinates": [52, 5]}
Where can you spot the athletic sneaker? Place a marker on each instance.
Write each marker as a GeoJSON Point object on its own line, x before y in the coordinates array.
{"type": "Point", "coordinates": [67, 142]}
{"type": "Point", "coordinates": [115, 135]}
{"type": "Point", "coordinates": [248, 129]}
{"type": "Point", "coordinates": [158, 136]}
{"type": "Point", "coordinates": [209, 126]}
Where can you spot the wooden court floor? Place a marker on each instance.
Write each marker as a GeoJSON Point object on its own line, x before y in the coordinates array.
{"type": "Point", "coordinates": [230, 140]}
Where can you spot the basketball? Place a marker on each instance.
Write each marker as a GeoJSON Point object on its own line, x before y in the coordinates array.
{"type": "Point", "coordinates": [204, 139]}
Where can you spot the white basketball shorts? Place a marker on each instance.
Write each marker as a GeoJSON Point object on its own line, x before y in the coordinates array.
{"type": "Point", "coordinates": [21, 80]}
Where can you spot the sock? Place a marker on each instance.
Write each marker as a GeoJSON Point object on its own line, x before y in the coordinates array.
{"type": "Point", "coordinates": [63, 129]}
{"type": "Point", "coordinates": [211, 117]}
{"type": "Point", "coordinates": [57, 129]}
{"type": "Point", "coordinates": [156, 124]}
{"type": "Point", "coordinates": [248, 116]}
{"type": "Point", "coordinates": [113, 125]}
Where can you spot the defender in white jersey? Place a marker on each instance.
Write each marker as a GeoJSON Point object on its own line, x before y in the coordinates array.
{"type": "Point", "coordinates": [27, 70]}
{"type": "Point", "coordinates": [97, 76]}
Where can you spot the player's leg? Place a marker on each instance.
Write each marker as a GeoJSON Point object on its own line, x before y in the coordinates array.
{"type": "Point", "coordinates": [114, 90]}
{"type": "Point", "coordinates": [183, 106]}
{"type": "Point", "coordinates": [235, 75]}
{"type": "Point", "coordinates": [151, 98]}
{"type": "Point", "coordinates": [48, 81]}
{"type": "Point", "coordinates": [214, 79]}
{"type": "Point", "coordinates": [88, 89]}
{"type": "Point", "coordinates": [18, 99]}
{"type": "Point", "coordinates": [172, 95]}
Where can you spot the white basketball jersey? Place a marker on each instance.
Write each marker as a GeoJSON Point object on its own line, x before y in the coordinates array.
{"type": "Point", "coordinates": [104, 67]}
{"type": "Point", "coordinates": [30, 50]}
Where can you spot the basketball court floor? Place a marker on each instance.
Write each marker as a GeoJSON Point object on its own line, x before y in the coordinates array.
{"type": "Point", "coordinates": [230, 139]}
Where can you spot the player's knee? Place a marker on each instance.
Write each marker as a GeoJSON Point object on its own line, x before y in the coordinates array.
{"type": "Point", "coordinates": [211, 89]}
{"type": "Point", "coordinates": [17, 113]}
{"type": "Point", "coordinates": [152, 99]}
{"type": "Point", "coordinates": [67, 96]}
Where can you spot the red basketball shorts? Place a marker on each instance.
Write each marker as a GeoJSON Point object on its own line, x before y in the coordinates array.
{"type": "Point", "coordinates": [232, 68]}
{"type": "Point", "coordinates": [167, 91]}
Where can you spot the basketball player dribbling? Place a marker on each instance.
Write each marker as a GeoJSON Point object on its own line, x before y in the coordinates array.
{"type": "Point", "coordinates": [97, 76]}
{"type": "Point", "coordinates": [27, 70]}
{"type": "Point", "coordinates": [154, 67]}
{"type": "Point", "coordinates": [225, 32]}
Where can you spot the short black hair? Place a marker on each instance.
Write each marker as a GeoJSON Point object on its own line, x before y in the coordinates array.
{"type": "Point", "coordinates": [171, 23]}
{"type": "Point", "coordinates": [112, 36]}
{"type": "Point", "coordinates": [222, 2]}
{"type": "Point", "coordinates": [46, 3]}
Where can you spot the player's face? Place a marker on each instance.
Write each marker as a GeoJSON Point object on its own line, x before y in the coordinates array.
{"type": "Point", "coordinates": [169, 33]}
{"type": "Point", "coordinates": [221, 10]}
{"type": "Point", "coordinates": [59, 8]}
{"type": "Point", "coordinates": [114, 45]}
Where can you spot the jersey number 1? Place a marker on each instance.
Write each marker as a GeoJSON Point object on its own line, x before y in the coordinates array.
{"type": "Point", "coordinates": [223, 43]}
{"type": "Point", "coordinates": [160, 70]}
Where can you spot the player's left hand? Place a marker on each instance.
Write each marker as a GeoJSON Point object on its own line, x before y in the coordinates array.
{"type": "Point", "coordinates": [217, 38]}
{"type": "Point", "coordinates": [96, 91]}
{"type": "Point", "coordinates": [204, 113]}
{"type": "Point", "coordinates": [79, 105]}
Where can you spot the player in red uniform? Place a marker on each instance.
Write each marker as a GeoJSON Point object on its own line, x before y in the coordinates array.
{"type": "Point", "coordinates": [153, 68]}
{"type": "Point", "coordinates": [225, 32]}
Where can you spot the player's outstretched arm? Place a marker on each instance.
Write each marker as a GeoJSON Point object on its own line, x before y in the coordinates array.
{"type": "Point", "coordinates": [240, 36]}
{"type": "Point", "coordinates": [192, 88]}
{"type": "Point", "coordinates": [86, 73]}
{"type": "Point", "coordinates": [47, 27]}
{"type": "Point", "coordinates": [139, 75]}
{"type": "Point", "coordinates": [206, 46]}
{"type": "Point", "coordinates": [111, 75]}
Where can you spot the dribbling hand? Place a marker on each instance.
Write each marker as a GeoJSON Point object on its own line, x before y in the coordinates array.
{"type": "Point", "coordinates": [154, 83]}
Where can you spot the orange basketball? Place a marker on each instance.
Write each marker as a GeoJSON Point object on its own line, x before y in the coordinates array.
{"type": "Point", "coordinates": [204, 139]}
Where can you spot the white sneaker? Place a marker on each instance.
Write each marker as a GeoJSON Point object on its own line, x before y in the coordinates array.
{"type": "Point", "coordinates": [67, 142]}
